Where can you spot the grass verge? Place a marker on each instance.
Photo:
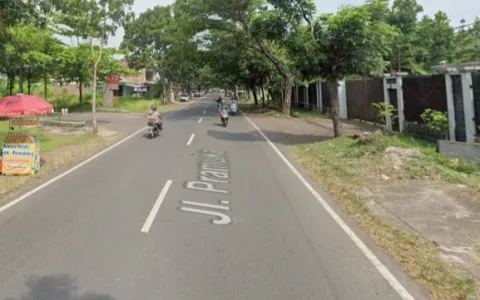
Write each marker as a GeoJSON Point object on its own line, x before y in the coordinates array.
{"type": "Point", "coordinates": [48, 142]}
{"type": "Point", "coordinates": [343, 165]}
{"type": "Point", "coordinates": [55, 158]}
{"type": "Point", "coordinates": [252, 108]}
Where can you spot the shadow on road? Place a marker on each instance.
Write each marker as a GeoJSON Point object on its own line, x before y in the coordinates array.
{"type": "Point", "coordinates": [275, 137]}
{"type": "Point", "coordinates": [56, 287]}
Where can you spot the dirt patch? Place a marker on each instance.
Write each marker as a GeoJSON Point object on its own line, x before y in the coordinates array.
{"type": "Point", "coordinates": [444, 214]}
{"type": "Point", "coordinates": [102, 131]}
{"type": "Point", "coordinates": [398, 157]}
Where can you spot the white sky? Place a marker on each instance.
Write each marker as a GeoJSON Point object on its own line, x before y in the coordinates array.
{"type": "Point", "coordinates": [455, 9]}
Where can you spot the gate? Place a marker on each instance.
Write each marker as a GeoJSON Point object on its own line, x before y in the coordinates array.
{"type": "Point", "coordinates": [476, 99]}
{"type": "Point", "coordinates": [422, 92]}
{"type": "Point", "coordinates": [361, 94]}
{"type": "Point", "coordinates": [458, 107]}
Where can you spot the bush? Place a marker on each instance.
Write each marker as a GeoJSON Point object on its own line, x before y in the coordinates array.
{"type": "Point", "coordinates": [436, 121]}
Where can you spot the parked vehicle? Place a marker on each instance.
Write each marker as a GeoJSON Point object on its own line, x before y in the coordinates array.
{"type": "Point", "coordinates": [184, 98]}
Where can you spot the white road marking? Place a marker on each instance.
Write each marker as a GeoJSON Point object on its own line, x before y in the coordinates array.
{"type": "Point", "coordinates": [44, 185]}
{"type": "Point", "coordinates": [205, 111]}
{"type": "Point", "coordinates": [56, 178]}
{"type": "Point", "coordinates": [224, 219]}
{"type": "Point", "coordinates": [190, 139]}
{"type": "Point", "coordinates": [382, 269]}
{"type": "Point", "coordinates": [206, 205]}
{"type": "Point", "coordinates": [156, 207]}
{"type": "Point", "coordinates": [200, 120]}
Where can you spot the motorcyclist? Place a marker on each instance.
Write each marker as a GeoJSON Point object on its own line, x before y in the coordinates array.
{"type": "Point", "coordinates": [156, 114]}
{"type": "Point", "coordinates": [223, 106]}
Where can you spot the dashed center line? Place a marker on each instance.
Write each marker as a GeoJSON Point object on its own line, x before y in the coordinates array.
{"type": "Point", "coordinates": [190, 139]}
{"type": "Point", "coordinates": [200, 120]}
{"type": "Point", "coordinates": [156, 207]}
{"type": "Point", "coordinates": [205, 111]}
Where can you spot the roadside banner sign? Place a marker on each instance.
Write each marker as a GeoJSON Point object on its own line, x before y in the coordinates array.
{"type": "Point", "coordinates": [21, 159]}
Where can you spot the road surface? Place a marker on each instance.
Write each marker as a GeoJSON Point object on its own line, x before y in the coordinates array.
{"type": "Point", "coordinates": [202, 212]}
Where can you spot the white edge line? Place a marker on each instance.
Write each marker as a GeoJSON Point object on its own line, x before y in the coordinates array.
{"type": "Point", "coordinates": [44, 185]}
{"type": "Point", "coordinates": [190, 139]}
{"type": "Point", "coordinates": [153, 213]}
{"type": "Point", "coordinates": [200, 120]}
{"type": "Point", "coordinates": [382, 269]}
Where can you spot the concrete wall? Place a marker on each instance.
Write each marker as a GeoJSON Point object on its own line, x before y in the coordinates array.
{"type": "Point", "coordinates": [468, 151]}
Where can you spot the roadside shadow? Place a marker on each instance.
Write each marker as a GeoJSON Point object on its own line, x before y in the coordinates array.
{"type": "Point", "coordinates": [275, 137]}
{"type": "Point", "coordinates": [56, 287]}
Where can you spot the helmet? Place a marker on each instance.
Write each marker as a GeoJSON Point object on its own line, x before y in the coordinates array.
{"type": "Point", "coordinates": [154, 107]}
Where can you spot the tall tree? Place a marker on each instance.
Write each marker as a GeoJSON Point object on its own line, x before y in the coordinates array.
{"type": "Point", "coordinates": [95, 21]}
{"type": "Point", "coordinates": [349, 42]}
{"type": "Point", "coordinates": [147, 39]}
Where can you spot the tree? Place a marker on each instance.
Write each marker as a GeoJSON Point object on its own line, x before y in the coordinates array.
{"type": "Point", "coordinates": [95, 21]}
{"type": "Point", "coordinates": [147, 39]}
{"type": "Point", "coordinates": [259, 26]}
{"type": "Point", "coordinates": [346, 43]}
{"type": "Point", "coordinates": [436, 40]}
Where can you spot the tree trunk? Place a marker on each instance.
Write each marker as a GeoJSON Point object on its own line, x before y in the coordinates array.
{"type": "Point", "coordinates": [332, 86]}
{"type": "Point", "coordinates": [45, 86]}
{"type": "Point", "coordinates": [254, 91]}
{"type": "Point", "coordinates": [236, 92]}
{"type": "Point", "coordinates": [80, 95]}
{"type": "Point", "coordinates": [287, 97]}
{"type": "Point", "coordinates": [190, 93]}
{"type": "Point", "coordinates": [177, 94]}
{"type": "Point", "coordinates": [263, 92]}
{"type": "Point", "coordinates": [20, 81]}
{"type": "Point", "coordinates": [94, 98]}
{"type": "Point", "coordinates": [29, 81]}
{"type": "Point", "coordinates": [287, 78]}
{"type": "Point", "coordinates": [248, 94]}
{"type": "Point", "coordinates": [11, 83]}
{"type": "Point", "coordinates": [166, 97]}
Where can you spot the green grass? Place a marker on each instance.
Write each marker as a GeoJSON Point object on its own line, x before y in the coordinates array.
{"type": "Point", "coordinates": [248, 106]}
{"type": "Point", "coordinates": [48, 142]}
{"type": "Point", "coordinates": [305, 113]}
{"type": "Point", "coordinates": [343, 165]}
{"type": "Point", "coordinates": [139, 105]}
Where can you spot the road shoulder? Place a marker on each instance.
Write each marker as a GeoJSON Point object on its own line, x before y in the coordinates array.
{"type": "Point", "coordinates": [418, 256]}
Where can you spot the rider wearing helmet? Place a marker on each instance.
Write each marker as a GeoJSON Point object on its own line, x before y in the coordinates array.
{"type": "Point", "coordinates": [222, 105]}
{"type": "Point", "coordinates": [155, 113]}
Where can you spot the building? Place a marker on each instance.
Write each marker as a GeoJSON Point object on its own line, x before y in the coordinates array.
{"type": "Point", "coordinates": [135, 84]}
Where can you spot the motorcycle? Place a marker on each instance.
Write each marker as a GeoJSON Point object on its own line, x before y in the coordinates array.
{"type": "Point", "coordinates": [224, 117]}
{"type": "Point", "coordinates": [153, 129]}
{"type": "Point", "coordinates": [233, 108]}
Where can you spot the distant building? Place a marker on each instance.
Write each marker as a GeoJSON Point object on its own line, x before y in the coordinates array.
{"type": "Point", "coordinates": [140, 83]}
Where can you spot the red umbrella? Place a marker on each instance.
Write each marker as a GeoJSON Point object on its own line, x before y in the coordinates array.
{"type": "Point", "coordinates": [25, 105]}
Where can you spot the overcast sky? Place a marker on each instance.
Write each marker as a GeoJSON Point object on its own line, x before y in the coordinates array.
{"type": "Point", "coordinates": [456, 10]}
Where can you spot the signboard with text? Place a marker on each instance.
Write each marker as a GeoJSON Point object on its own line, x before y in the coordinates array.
{"type": "Point", "coordinates": [21, 159]}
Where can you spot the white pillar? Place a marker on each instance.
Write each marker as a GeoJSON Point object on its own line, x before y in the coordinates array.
{"type": "Point", "coordinates": [450, 107]}
{"type": "Point", "coordinates": [386, 95]}
{"type": "Point", "coordinates": [400, 108]}
{"type": "Point", "coordinates": [468, 106]}
{"type": "Point", "coordinates": [305, 104]}
{"type": "Point", "coordinates": [319, 97]}
{"type": "Point", "coordinates": [342, 99]}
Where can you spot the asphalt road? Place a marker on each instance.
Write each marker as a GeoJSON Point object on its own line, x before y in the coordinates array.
{"type": "Point", "coordinates": [211, 216]}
